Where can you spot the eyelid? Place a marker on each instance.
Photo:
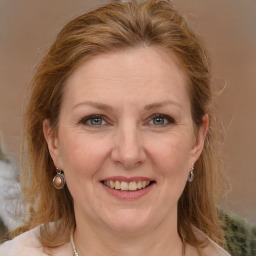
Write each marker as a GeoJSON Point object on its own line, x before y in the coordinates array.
{"type": "Point", "coordinates": [170, 119]}
{"type": "Point", "coordinates": [85, 119]}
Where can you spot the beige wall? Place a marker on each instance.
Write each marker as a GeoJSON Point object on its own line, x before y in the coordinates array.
{"type": "Point", "coordinates": [28, 27]}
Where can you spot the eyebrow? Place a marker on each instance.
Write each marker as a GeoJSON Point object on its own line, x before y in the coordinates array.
{"type": "Point", "coordinates": [97, 105]}
{"type": "Point", "coordinates": [162, 104]}
{"type": "Point", "coordinates": [103, 106]}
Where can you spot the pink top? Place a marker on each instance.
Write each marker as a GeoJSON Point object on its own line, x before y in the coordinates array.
{"type": "Point", "coordinates": [27, 244]}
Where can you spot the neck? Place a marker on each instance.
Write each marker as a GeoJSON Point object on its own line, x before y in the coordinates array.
{"type": "Point", "coordinates": [91, 240]}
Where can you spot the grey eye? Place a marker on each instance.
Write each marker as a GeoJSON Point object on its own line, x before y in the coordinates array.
{"type": "Point", "coordinates": [159, 121]}
{"type": "Point", "coordinates": [96, 121]}
{"type": "Point", "coordinates": [93, 120]}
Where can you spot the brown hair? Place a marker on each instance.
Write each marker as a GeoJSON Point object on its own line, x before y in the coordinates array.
{"type": "Point", "coordinates": [113, 27]}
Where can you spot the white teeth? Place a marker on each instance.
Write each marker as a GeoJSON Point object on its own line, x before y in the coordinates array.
{"type": "Point", "coordinates": [126, 186]}
{"type": "Point", "coordinates": [132, 186]}
{"type": "Point", "coordinates": [139, 184]}
{"type": "Point", "coordinates": [112, 184]}
{"type": "Point", "coordinates": [117, 184]}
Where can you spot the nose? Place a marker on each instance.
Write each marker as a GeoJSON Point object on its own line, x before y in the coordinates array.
{"type": "Point", "coordinates": [128, 149]}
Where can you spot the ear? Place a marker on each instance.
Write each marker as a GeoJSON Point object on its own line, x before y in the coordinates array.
{"type": "Point", "coordinates": [199, 139]}
{"type": "Point", "coordinates": [53, 143]}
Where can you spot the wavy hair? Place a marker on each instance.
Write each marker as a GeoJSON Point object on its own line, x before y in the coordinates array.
{"type": "Point", "coordinates": [110, 28]}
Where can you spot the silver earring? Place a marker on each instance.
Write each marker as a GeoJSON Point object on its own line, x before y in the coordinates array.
{"type": "Point", "coordinates": [59, 179]}
{"type": "Point", "coordinates": [191, 174]}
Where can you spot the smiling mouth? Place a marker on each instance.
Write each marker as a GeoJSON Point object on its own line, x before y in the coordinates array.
{"type": "Point", "coordinates": [127, 186]}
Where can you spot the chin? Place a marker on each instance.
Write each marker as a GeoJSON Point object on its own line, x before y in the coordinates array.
{"type": "Point", "coordinates": [128, 221]}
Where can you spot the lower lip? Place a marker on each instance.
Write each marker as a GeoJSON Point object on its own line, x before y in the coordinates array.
{"type": "Point", "coordinates": [128, 195]}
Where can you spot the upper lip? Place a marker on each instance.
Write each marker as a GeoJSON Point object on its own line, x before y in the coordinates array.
{"type": "Point", "coordinates": [128, 179]}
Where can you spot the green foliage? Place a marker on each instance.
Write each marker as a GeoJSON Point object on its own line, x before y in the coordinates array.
{"type": "Point", "coordinates": [240, 236]}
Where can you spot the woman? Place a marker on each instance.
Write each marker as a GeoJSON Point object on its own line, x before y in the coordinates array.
{"type": "Point", "coordinates": [122, 154]}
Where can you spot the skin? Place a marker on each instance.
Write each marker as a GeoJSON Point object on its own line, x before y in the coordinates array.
{"type": "Point", "coordinates": [134, 85]}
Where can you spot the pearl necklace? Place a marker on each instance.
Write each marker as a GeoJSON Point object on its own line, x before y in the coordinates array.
{"type": "Point", "coordinates": [75, 253]}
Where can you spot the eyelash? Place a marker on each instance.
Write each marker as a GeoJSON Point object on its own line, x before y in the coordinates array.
{"type": "Point", "coordinates": [169, 120]}
{"type": "Point", "coordinates": [91, 117]}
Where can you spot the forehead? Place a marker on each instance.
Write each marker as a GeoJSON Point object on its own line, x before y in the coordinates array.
{"type": "Point", "coordinates": [144, 73]}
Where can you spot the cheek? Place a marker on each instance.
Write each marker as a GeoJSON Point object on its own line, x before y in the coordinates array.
{"type": "Point", "coordinates": [82, 155]}
{"type": "Point", "coordinates": [171, 155]}
{"type": "Point", "coordinates": [172, 163]}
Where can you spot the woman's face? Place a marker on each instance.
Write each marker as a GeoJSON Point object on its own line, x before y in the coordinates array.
{"type": "Point", "coordinates": [125, 139]}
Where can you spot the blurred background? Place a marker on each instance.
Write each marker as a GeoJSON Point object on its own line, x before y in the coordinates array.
{"type": "Point", "coordinates": [228, 28]}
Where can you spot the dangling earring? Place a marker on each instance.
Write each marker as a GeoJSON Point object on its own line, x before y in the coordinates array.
{"type": "Point", "coordinates": [59, 179]}
{"type": "Point", "coordinates": [191, 174]}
